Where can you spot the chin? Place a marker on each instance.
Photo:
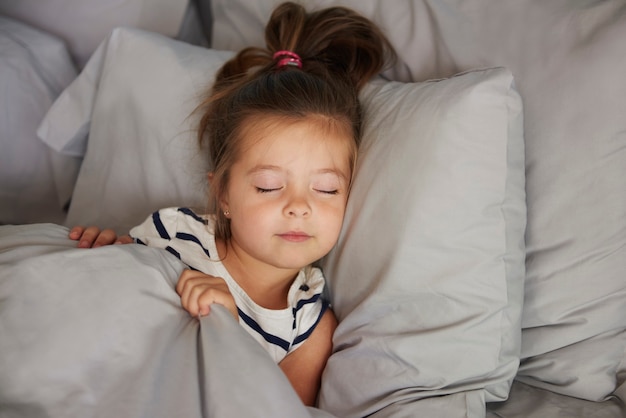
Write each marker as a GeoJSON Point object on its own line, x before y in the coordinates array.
{"type": "Point", "coordinates": [294, 263]}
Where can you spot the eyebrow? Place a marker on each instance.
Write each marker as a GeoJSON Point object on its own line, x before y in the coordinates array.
{"type": "Point", "coordinates": [269, 167]}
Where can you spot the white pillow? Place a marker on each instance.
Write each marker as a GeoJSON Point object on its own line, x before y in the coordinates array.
{"type": "Point", "coordinates": [443, 160]}
{"type": "Point", "coordinates": [569, 63]}
{"type": "Point", "coordinates": [135, 100]}
{"type": "Point", "coordinates": [35, 181]}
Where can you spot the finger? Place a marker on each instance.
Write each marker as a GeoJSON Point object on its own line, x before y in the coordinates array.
{"type": "Point", "coordinates": [192, 300]}
{"type": "Point", "coordinates": [76, 232]}
{"type": "Point", "coordinates": [124, 239]}
{"type": "Point", "coordinates": [190, 278]}
{"type": "Point", "coordinates": [105, 237]}
{"type": "Point", "coordinates": [205, 299]}
{"type": "Point", "coordinates": [184, 288]}
{"type": "Point", "coordinates": [88, 237]}
{"type": "Point", "coordinates": [217, 295]}
{"type": "Point", "coordinates": [182, 280]}
{"type": "Point", "coordinates": [198, 291]}
{"type": "Point", "coordinates": [197, 296]}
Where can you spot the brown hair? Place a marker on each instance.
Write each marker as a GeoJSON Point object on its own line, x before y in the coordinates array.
{"type": "Point", "coordinates": [340, 51]}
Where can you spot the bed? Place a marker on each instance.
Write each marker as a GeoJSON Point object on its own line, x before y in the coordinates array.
{"type": "Point", "coordinates": [481, 268]}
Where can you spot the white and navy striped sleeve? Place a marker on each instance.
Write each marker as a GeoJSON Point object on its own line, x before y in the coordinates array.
{"type": "Point", "coordinates": [169, 228]}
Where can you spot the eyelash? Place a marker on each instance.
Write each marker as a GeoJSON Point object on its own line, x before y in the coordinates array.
{"type": "Point", "coordinates": [262, 190]}
{"type": "Point", "coordinates": [330, 192]}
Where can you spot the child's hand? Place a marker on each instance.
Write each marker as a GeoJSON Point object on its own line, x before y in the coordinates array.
{"type": "Point", "coordinates": [198, 291]}
{"type": "Point", "coordinates": [92, 237]}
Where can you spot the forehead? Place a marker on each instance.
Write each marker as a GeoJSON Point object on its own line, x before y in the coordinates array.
{"type": "Point", "coordinates": [312, 137]}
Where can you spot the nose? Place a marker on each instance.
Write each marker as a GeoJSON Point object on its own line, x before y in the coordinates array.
{"type": "Point", "coordinates": [297, 206]}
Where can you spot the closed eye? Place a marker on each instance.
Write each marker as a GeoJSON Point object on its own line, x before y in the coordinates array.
{"type": "Point", "coordinates": [327, 191]}
{"type": "Point", "coordinates": [262, 190]}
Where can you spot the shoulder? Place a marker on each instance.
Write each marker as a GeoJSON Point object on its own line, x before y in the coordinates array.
{"type": "Point", "coordinates": [166, 223]}
{"type": "Point", "coordinates": [327, 325]}
{"type": "Point", "coordinates": [178, 214]}
{"type": "Point", "coordinates": [191, 215]}
{"type": "Point", "coordinates": [320, 340]}
{"type": "Point", "coordinates": [179, 218]}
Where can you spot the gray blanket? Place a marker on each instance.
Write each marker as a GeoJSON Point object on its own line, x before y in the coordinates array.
{"type": "Point", "coordinates": [100, 333]}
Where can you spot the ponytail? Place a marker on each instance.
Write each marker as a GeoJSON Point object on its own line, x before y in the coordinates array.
{"type": "Point", "coordinates": [333, 42]}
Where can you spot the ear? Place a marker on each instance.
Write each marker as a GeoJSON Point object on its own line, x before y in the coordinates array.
{"type": "Point", "coordinates": [223, 201]}
{"type": "Point", "coordinates": [224, 206]}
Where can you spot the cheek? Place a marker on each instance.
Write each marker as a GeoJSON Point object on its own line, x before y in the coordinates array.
{"type": "Point", "coordinates": [334, 218]}
{"type": "Point", "coordinates": [246, 225]}
{"type": "Point", "coordinates": [251, 215]}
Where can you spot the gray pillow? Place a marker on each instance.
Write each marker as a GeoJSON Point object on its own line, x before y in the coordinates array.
{"type": "Point", "coordinates": [427, 277]}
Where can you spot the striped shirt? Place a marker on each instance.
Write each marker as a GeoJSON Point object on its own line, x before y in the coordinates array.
{"type": "Point", "coordinates": [191, 239]}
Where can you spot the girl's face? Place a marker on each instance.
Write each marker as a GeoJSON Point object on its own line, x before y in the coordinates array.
{"type": "Point", "coordinates": [287, 191]}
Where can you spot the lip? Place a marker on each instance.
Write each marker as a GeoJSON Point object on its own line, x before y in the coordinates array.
{"type": "Point", "coordinates": [295, 236]}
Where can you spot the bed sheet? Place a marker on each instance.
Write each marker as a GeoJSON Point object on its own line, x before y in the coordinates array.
{"type": "Point", "coordinates": [82, 25]}
{"type": "Point", "coordinates": [526, 401]}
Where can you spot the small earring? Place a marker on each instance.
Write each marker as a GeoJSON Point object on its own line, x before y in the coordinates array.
{"type": "Point", "coordinates": [227, 213]}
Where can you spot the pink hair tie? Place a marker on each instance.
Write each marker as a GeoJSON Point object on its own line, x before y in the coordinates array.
{"type": "Point", "coordinates": [290, 58]}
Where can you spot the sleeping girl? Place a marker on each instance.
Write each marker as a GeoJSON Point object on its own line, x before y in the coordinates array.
{"type": "Point", "coordinates": [282, 124]}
